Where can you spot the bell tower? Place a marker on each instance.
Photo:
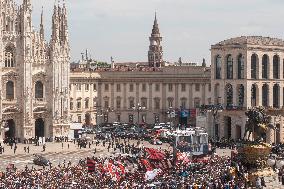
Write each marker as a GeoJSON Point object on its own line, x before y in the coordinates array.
{"type": "Point", "coordinates": [155, 53]}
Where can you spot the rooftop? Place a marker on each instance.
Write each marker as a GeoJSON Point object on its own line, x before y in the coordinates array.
{"type": "Point", "coordinates": [252, 40]}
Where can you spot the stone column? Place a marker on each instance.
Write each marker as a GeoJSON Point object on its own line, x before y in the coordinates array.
{"type": "Point", "coordinates": [112, 95]}
{"type": "Point", "coordinates": [270, 67]}
{"type": "Point", "coordinates": [150, 96]}
{"type": "Point", "coordinates": [124, 96]}
{"type": "Point", "coordinates": [164, 101]}
{"type": "Point", "coordinates": [280, 95]}
{"type": "Point", "coordinates": [176, 95]}
{"type": "Point", "coordinates": [137, 94]}
{"type": "Point", "coordinates": [203, 93]}
{"type": "Point", "coordinates": [247, 95]}
{"type": "Point", "coordinates": [259, 94]}
{"type": "Point", "coordinates": [221, 122]}
{"type": "Point", "coordinates": [235, 94]}
{"type": "Point", "coordinates": [270, 95]}
{"type": "Point", "coordinates": [99, 102]}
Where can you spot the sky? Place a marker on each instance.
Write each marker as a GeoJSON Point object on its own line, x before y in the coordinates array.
{"type": "Point", "coordinates": [121, 28]}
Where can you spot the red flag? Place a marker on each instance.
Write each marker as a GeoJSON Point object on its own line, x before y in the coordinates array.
{"type": "Point", "coordinates": [91, 165]}
{"type": "Point", "coordinates": [147, 164]}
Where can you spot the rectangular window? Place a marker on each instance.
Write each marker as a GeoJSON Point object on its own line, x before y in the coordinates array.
{"type": "Point", "coordinates": [170, 103]}
{"type": "Point", "coordinates": [118, 104]}
{"type": "Point", "coordinates": [87, 103]}
{"type": "Point", "coordinates": [170, 87]}
{"type": "Point", "coordinates": [106, 104]}
{"type": "Point", "coordinates": [157, 87]}
{"type": "Point", "coordinates": [183, 87]}
{"type": "Point", "coordinates": [131, 88]}
{"type": "Point", "coordinates": [106, 87]}
{"type": "Point", "coordinates": [183, 104]}
{"type": "Point", "coordinates": [79, 119]}
{"type": "Point", "coordinates": [131, 103]}
{"type": "Point", "coordinates": [157, 104]}
{"type": "Point", "coordinates": [144, 102]}
{"type": "Point", "coordinates": [79, 104]}
{"type": "Point", "coordinates": [209, 100]}
{"type": "Point", "coordinates": [143, 87]}
{"type": "Point", "coordinates": [209, 87]}
{"type": "Point", "coordinates": [197, 87]}
{"type": "Point", "coordinates": [86, 87]}
{"type": "Point", "coordinates": [118, 118]}
{"type": "Point", "coordinates": [118, 88]}
{"type": "Point", "coordinates": [71, 105]}
{"type": "Point", "coordinates": [78, 86]}
{"type": "Point", "coordinates": [94, 87]}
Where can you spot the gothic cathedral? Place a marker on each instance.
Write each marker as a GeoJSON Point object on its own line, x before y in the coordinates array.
{"type": "Point", "coordinates": [34, 73]}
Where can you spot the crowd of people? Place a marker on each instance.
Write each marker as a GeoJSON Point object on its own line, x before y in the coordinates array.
{"type": "Point", "coordinates": [135, 166]}
{"type": "Point", "coordinates": [129, 172]}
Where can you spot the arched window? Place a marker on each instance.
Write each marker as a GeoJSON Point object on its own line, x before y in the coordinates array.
{"type": "Point", "coordinates": [253, 95]}
{"type": "Point", "coordinates": [241, 67]}
{"type": "Point", "coordinates": [275, 67]}
{"type": "Point", "coordinates": [218, 67]}
{"type": "Point", "coordinates": [86, 103]}
{"type": "Point", "coordinates": [241, 95]}
{"type": "Point", "coordinates": [10, 90]}
{"type": "Point", "coordinates": [265, 95]}
{"type": "Point", "coordinates": [229, 95]}
{"type": "Point", "coordinates": [71, 104]}
{"type": "Point", "coordinates": [253, 66]}
{"type": "Point", "coordinates": [229, 67]}
{"type": "Point", "coordinates": [38, 90]}
{"type": "Point", "coordinates": [9, 57]}
{"type": "Point", "coordinates": [265, 64]}
{"type": "Point", "coordinates": [276, 92]}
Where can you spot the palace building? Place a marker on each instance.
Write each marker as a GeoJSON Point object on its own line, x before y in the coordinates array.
{"type": "Point", "coordinates": [143, 92]}
{"type": "Point", "coordinates": [34, 95]}
{"type": "Point", "coordinates": [247, 72]}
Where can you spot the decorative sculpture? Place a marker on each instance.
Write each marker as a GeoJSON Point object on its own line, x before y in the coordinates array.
{"type": "Point", "coordinates": [257, 124]}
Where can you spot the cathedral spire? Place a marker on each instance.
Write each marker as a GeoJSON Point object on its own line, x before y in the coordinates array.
{"type": "Point", "coordinates": [41, 25]}
{"type": "Point", "coordinates": [155, 30]}
{"type": "Point", "coordinates": [55, 23]}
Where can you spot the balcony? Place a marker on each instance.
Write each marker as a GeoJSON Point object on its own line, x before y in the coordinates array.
{"type": "Point", "coordinates": [8, 101]}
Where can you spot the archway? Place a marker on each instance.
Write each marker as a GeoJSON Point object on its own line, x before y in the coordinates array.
{"type": "Point", "coordinates": [39, 128]}
{"type": "Point", "coordinates": [11, 132]}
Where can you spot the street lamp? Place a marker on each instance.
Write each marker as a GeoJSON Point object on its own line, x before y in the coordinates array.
{"type": "Point", "coordinates": [138, 108]}
{"type": "Point", "coordinates": [214, 109]}
{"type": "Point", "coordinates": [171, 114]}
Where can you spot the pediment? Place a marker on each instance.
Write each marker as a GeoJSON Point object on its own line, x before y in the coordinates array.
{"type": "Point", "coordinates": [11, 109]}
{"type": "Point", "coordinates": [40, 109]}
{"type": "Point", "coordinates": [10, 74]}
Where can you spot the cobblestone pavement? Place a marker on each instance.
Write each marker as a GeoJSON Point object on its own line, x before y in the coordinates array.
{"type": "Point", "coordinates": [56, 154]}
